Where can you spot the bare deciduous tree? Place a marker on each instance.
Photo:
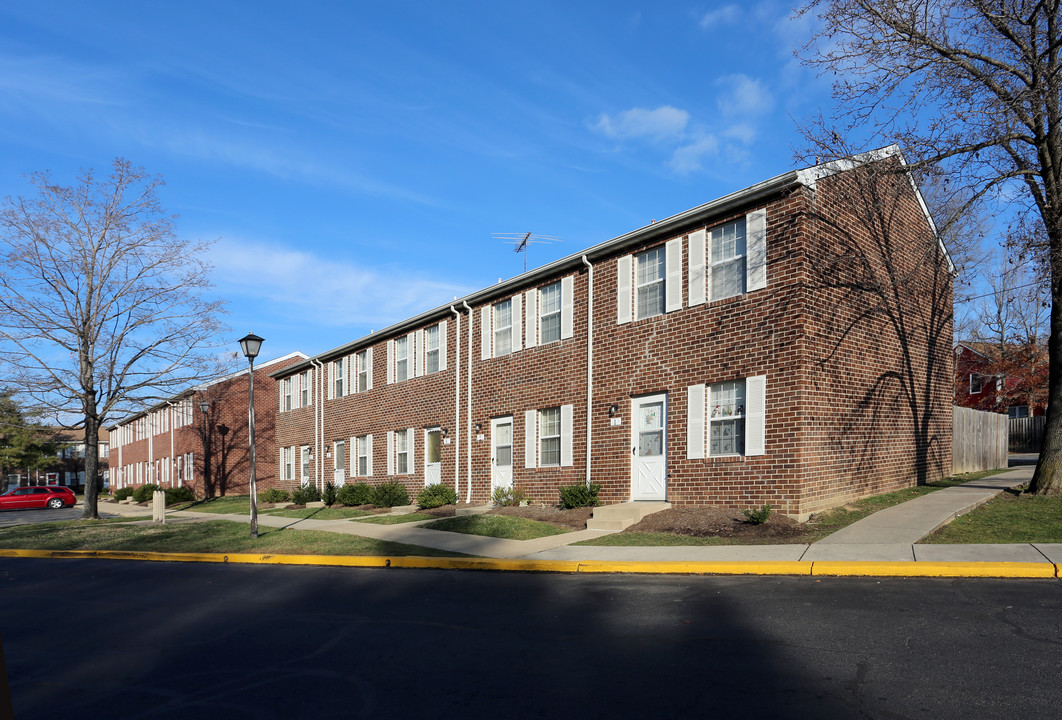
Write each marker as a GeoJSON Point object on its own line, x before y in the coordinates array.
{"type": "Point", "coordinates": [972, 89]}
{"type": "Point", "coordinates": [101, 304]}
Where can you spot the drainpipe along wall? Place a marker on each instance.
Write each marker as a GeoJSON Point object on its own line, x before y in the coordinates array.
{"type": "Point", "coordinates": [457, 406]}
{"type": "Point", "coordinates": [318, 416]}
{"type": "Point", "coordinates": [589, 362]}
{"type": "Point", "coordinates": [468, 408]}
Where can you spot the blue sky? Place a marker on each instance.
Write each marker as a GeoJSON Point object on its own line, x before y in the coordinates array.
{"type": "Point", "coordinates": [354, 159]}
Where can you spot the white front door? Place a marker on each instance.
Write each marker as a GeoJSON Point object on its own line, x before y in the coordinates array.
{"type": "Point", "coordinates": [432, 456]}
{"type": "Point", "coordinates": [501, 455]}
{"type": "Point", "coordinates": [340, 453]}
{"type": "Point", "coordinates": [649, 448]}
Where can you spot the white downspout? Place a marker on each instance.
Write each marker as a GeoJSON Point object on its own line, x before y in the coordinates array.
{"type": "Point", "coordinates": [318, 415]}
{"type": "Point", "coordinates": [173, 459]}
{"type": "Point", "coordinates": [468, 407]}
{"type": "Point", "coordinates": [457, 406]}
{"type": "Point", "coordinates": [589, 362]}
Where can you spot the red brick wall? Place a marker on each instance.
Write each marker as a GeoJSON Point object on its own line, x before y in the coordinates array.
{"type": "Point", "coordinates": [828, 438]}
{"type": "Point", "coordinates": [218, 442]}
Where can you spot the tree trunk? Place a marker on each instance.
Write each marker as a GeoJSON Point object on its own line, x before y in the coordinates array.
{"type": "Point", "coordinates": [1047, 480]}
{"type": "Point", "coordinates": [92, 454]}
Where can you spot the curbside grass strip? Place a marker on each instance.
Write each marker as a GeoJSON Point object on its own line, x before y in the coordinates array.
{"type": "Point", "coordinates": [821, 568]}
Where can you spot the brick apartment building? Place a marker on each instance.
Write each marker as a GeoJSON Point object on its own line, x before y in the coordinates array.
{"type": "Point", "coordinates": [175, 444]}
{"type": "Point", "coordinates": [1011, 379]}
{"type": "Point", "coordinates": [735, 354]}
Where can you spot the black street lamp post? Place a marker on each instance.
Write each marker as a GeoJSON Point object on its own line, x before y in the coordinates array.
{"type": "Point", "coordinates": [251, 344]}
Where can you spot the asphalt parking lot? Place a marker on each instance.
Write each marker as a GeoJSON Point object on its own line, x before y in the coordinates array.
{"type": "Point", "coordinates": [11, 518]}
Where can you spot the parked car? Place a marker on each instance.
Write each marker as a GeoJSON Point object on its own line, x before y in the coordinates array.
{"type": "Point", "coordinates": [52, 496]}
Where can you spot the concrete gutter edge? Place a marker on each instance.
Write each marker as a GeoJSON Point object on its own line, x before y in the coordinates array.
{"type": "Point", "coordinates": [818, 568]}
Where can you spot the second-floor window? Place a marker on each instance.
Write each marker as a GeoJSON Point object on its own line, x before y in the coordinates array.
{"type": "Point", "coordinates": [431, 350]}
{"type": "Point", "coordinates": [363, 370]}
{"type": "Point", "coordinates": [338, 376]}
{"type": "Point", "coordinates": [549, 313]}
{"type": "Point", "coordinates": [503, 328]}
{"type": "Point", "coordinates": [401, 358]}
{"type": "Point", "coordinates": [649, 276]}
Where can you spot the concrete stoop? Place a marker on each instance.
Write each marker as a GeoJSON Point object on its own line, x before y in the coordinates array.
{"type": "Point", "coordinates": [613, 518]}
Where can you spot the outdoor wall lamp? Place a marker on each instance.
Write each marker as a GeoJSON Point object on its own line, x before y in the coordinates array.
{"type": "Point", "coordinates": [612, 410]}
{"type": "Point", "coordinates": [444, 432]}
{"type": "Point", "coordinates": [479, 427]}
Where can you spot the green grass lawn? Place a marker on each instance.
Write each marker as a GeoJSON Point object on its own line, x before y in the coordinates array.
{"type": "Point", "coordinates": [395, 519]}
{"type": "Point", "coordinates": [820, 525]}
{"type": "Point", "coordinates": [213, 536]}
{"type": "Point", "coordinates": [498, 526]}
{"type": "Point", "coordinates": [228, 505]}
{"type": "Point", "coordinates": [325, 513]}
{"type": "Point", "coordinates": [1009, 518]}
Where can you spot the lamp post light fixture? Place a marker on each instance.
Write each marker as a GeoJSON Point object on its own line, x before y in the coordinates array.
{"type": "Point", "coordinates": [251, 344]}
{"type": "Point", "coordinates": [204, 407]}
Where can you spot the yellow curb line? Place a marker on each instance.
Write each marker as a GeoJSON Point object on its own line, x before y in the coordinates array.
{"type": "Point", "coordinates": [822, 568]}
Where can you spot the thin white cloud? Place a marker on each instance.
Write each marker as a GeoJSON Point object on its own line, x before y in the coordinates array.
{"type": "Point", "coordinates": [44, 81]}
{"type": "Point", "coordinates": [743, 96]}
{"type": "Point", "coordinates": [663, 123]}
{"type": "Point", "coordinates": [689, 157]}
{"type": "Point", "coordinates": [297, 284]}
{"type": "Point", "coordinates": [720, 16]}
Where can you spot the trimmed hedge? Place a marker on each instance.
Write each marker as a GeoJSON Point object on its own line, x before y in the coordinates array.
{"type": "Point", "coordinates": [123, 493]}
{"type": "Point", "coordinates": [389, 495]}
{"type": "Point", "coordinates": [358, 494]}
{"type": "Point", "coordinates": [436, 495]}
{"type": "Point", "coordinates": [579, 495]}
{"type": "Point", "coordinates": [143, 493]}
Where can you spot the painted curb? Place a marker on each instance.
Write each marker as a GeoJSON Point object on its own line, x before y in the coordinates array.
{"type": "Point", "coordinates": [821, 568]}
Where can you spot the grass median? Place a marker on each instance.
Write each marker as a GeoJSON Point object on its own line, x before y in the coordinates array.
{"type": "Point", "coordinates": [211, 536]}
{"type": "Point", "coordinates": [1008, 518]}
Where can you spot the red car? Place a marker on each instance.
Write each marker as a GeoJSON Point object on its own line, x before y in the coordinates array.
{"type": "Point", "coordinates": [53, 496]}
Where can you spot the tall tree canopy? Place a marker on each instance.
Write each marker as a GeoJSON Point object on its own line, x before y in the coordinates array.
{"type": "Point", "coordinates": [102, 306]}
{"type": "Point", "coordinates": [971, 90]}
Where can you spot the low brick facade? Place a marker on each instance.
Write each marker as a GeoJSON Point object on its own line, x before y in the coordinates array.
{"type": "Point", "coordinates": [786, 344]}
{"type": "Point", "coordinates": [174, 444]}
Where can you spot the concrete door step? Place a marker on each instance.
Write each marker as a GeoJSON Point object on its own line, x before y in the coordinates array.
{"type": "Point", "coordinates": [613, 518]}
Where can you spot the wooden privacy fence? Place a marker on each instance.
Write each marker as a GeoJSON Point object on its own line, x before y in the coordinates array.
{"type": "Point", "coordinates": [1027, 433]}
{"type": "Point", "coordinates": [978, 440]}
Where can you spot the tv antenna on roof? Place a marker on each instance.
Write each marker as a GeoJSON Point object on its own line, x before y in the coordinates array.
{"type": "Point", "coordinates": [522, 240]}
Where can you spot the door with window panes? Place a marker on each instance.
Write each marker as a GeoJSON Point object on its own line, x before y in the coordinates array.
{"type": "Point", "coordinates": [649, 448]}
{"type": "Point", "coordinates": [501, 458]}
{"type": "Point", "coordinates": [340, 453]}
{"type": "Point", "coordinates": [432, 456]}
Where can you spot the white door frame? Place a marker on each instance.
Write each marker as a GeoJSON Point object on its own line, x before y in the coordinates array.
{"type": "Point", "coordinates": [649, 447]}
{"type": "Point", "coordinates": [432, 470]}
{"type": "Point", "coordinates": [501, 475]}
{"type": "Point", "coordinates": [339, 474]}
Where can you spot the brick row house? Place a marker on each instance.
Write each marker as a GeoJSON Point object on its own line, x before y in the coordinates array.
{"type": "Point", "coordinates": [706, 359]}
{"type": "Point", "coordinates": [1010, 379]}
{"type": "Point", "coordinates": [175, 444]}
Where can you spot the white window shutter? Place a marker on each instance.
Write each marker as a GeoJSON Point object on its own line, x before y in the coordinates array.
{"type": "Point", "coordinates": [695, 407]}
{"type": "Point", "coordinates": [352, 457]}
{"type": "Point", "coordinates": [624, 297]}
{"type": "Point", "coordinates": [518, 321]}
{"type": "Point", "coordinates": [368, 368]}
{"type": "Point", "coordinates": [531, 317]}
{"type": "Point", "coordinates": [331, 380]}
{"type": "Point", "coordinates": [390, 361]}
{"type": "Point", "coordinates": [530, 437]}
{"type": "Point", "coordinates": [486, 330]}
{"type": "Point", "coordinates": [368, 450]}
{"type": "Point", "coordinates": [280, 395]}
{"type": "Point", "coordinates": [673, 275]}
{"type": "Point", "coordinates": [756, 415]}
{"type": "Point", "coordinates": [410, 452]}
{"type": "Point", "coordinates": [696, 271]}
{"type": "Point", "coordinates": [567, 307]}
{"type": "Point", "coordinates": [756, 249]}
{"type": "Point", "coordinates": [390, 452]}
{"type": "Point", "coordinates": [416, 346]}
{"type": "Point", "coordinates": [567, 434]}
{"type": "Point", "coordinates": [280, 464]}
{"type": "Point", "coordinates": [442, 345]}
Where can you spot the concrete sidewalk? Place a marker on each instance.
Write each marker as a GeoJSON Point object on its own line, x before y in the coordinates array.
{"type": "Point", "coordinates": [890, 535]}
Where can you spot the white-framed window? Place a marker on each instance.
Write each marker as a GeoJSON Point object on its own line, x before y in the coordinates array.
{"type": "Point", "coordinates": [549, 436]}
{"type": "Point", "coordinates": [1018, 411]}
{"type": "Point", "coordinates": [727, 259]}
{"type": "Point", "coordinates": [503, 327]}
{"type": "Point", "coordinates": [304, 457]}
{"type": "Point", "coordinates": [285, 394]}
{"type": "Point", "coordinates": [305, 388]}
{"type": "Point", "coordinates": [731, 416]}
{"type": "Point", "coordinates": [402, 450]}
{"type": "Point", "coordinates": [363, 368]}
{"type": "Point", "coordinates": [287, 464]}
{"type": "Point", "coordinates": [364, 452]}
{"type": "Point", "coordinates": [549, 313]}
{"type": "Point", "coordinates": [189, 467]}
{"type": "Point", "coordinates": [726, 418]}
{"type": "Point", "coordinates": [431, 350]}
{"type": "Point", "coordinates": [339, 378]}
{"type": "Point", "coordinates": [976, 384]}
{"type": "Point", "coordinates": [401, 358]}
{"type": "Point", "coordinates": [649, 274]}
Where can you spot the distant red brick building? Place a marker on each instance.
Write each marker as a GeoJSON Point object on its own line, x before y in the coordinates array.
{"type": "Point", "coordinates": [175, 444]}
{"type": "Point", "coordinates": [722, 356]}
{"type": "Point", "coordinates": [1010, 379]}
